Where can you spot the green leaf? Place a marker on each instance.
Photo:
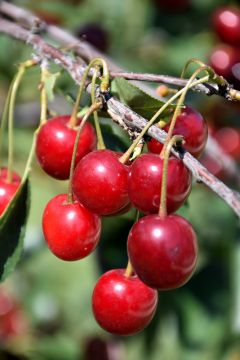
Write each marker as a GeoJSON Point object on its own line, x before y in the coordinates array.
{"type": "Point", "coordinates": [12, 230]}
{"type": "Point", "coordinates": [139, 101]}
{"type": "Point", "coordinates": [49, 84]}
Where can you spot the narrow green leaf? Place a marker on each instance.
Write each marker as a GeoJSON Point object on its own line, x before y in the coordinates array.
{"type": "Point", "coordinates": [12, 230]}
{"type": "Point", "coordinates": [139, 101]}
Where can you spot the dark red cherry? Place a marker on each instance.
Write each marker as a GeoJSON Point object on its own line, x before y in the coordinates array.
{"type": "Point", "coordinates": [163, 251]}
{"type": "Point", "coordinates": [100, 182]}
{"type": "Point", "coordinates": [70, 230]}
{"type": "Point", "coordinates": [145, 179]}
{"type": "Point", "coordinates": [173, 5]}
{"type": "Point", "coordinates": [222, 59]}
{"type": "Point", "coordinates": [191, 125]}
{"type": "Point", "coordinates": [7, 189]}
{"type": "Point", "coordinates": [55, 144]}
{"type": "Point", "coordinates": [95, 34]}
{"type": "Point", "coordinates": [123, 305]}
{"type": "Point", "coordinates": [226, 22]}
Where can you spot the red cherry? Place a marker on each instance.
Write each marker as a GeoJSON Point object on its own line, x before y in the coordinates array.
{"type": "Point", "coordinates": [191, 125]}
{"type": "Point", "coordinates": [55, 144]}
{"type": "Point", "coordinates": [222, 59]}
{"type": "Point", "coordinates": [71, 231]}
{"type": "Point", "coordinates": [145, 179]}
{"type": "Point", "coordinates": [13, 324]}
{"type": "Point", "coordinates": [163, 252]}
{"type": "Point", "coordinates": [100, 182]}
{"type": "Point", "coordinates": [226, 22]}
{"type": "Point", "coordinates": [7, 189]}
{"type": "Point", "coordinates": [229, 139]}
{"type": "Point", "coordinates": [4, 173]}
{"type": "Point", "coordinates": [123, 305]}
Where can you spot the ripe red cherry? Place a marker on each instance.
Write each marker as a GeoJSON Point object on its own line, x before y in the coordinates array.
{"type": "Point", "coordinates": [226, 22]}
{"type": "Point", "coordinates": [163, 251]}
{"type": "Point", "coordinates": [123, 305]}
{"type": "Point", "coordinates": [71, 231]}
{"type": "Point", "coordinates": [191, 125]}
{"type": "Point", "coordinates": [55, 144]}
{"type": "Point", "coordinates": [145, 178]}
{"type": "Point", "coordinates": [7, 189]}
{"type": "Point", "coordinates": [222, 59]}
{"type": "Point", "coordinates": [100, 182]}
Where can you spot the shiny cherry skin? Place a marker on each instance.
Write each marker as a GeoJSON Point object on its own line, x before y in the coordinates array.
{"type": "Point", "coordinates": [7, 189]}
{"type": "Point", "coordinates": [226, 22]}
{"type": "Point", "coordinates": [163, 251]}
{"type": "Point", "coordinates": [145, 178]}
{"type": "Point", "coordinates": [55, 144]}
{"type": "Point", "coordinates": [222, 59]}
{"type": "Point", "coordinates": [71, 231]}
{"type": "Point", "coordinates": [100, 182]}
{"type": "Point", "coordinates": [191, 125]}
{"type": "Point", "coordinates": [123, 305]}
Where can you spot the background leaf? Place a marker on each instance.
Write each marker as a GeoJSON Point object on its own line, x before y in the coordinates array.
{"type": "Point", "coordinates": [12, 230]}
{"type": "Point", "coordinates": [144, 104]}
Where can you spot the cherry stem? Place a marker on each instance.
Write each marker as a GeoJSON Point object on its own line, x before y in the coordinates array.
{"type": "Point", "coordinates": [44, 100]}
{"type": "Point", "coordinates": [12, 100]}
{"type": "Point", "coordinates": [180, 103]}
{"type": "Point", "coordinates": [129, 269]}
{"type": "Point", "coordinates": [4, 119]}
{"type": "Point", "coordinates": [219, 80]}
{"type": "Point", "coordinates": [125, 157]}
{"type": "Point", "coordinates": [163, 195]}
{"type": "Point", "coordinates": [104, 85]}
{"type": "Point", "coordinates": [92, 108]}
{"type": "Point", "coordinates": [100, 141]}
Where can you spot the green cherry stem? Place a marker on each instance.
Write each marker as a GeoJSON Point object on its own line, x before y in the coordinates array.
{"type": "Point", "coordinates": [44, 100]}
{"type": "Point", "coordinates": [219, 80]}
{"type": "Point", "coordinates": [124, 158]}
{"type": "Point", "coordinates": [12, 100]}
{"type": "Point", "coordinates": [104, 86]}
{"type": "Point", "coordinates": [180, 103]}
{"type": "Point", "coordinates": [4, 120]}
{"type": "Point", "coordinates": [163, 202]}
{"type": "Point", "coordinates": [100, 141]}
{"type": "Point", "coordinates": [129, 269]}
{"type": "Point", "coordinates": [92, 108]}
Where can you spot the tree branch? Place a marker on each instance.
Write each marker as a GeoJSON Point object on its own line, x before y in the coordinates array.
{"type": "Point", "coordinates": [119, 110]}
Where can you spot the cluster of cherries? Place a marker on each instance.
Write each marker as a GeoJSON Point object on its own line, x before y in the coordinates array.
{"type": "Point", "coordinates": [162, 249]}
{"type": "Point", "coordinates": [225, 57]}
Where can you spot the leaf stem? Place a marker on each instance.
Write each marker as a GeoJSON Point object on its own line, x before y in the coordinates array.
{"type": "Point", "coordinates": [92, 108]}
